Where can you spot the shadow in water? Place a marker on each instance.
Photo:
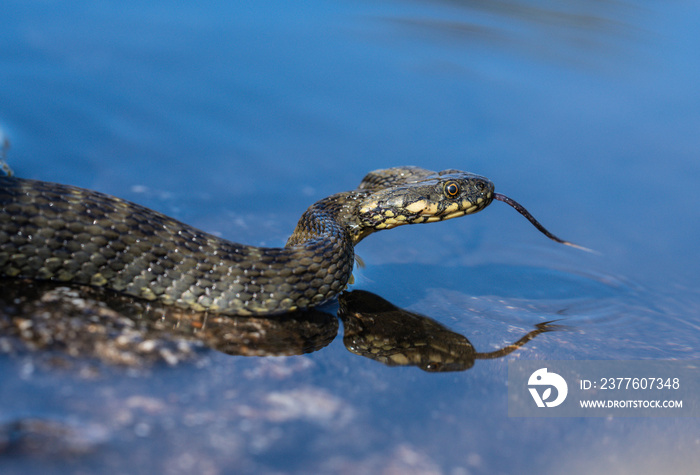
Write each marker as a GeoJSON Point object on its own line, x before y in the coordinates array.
{"type": "Point", "coordinates": [94, 323]}
{"type": "Point", "coordinates": [379, 330]}
{"type": "Point", "coordinates": [90, 323]}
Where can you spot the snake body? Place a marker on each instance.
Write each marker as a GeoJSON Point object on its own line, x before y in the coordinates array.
{"type": "Point", "coordinates": [62, 233]}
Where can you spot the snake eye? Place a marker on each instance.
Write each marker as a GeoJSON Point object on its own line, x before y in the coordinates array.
{"type": "Point", "coordinates": [451, 189]}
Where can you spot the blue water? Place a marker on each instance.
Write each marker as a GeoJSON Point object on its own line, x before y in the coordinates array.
{"type": "Point", "coordinates": [236, 116]}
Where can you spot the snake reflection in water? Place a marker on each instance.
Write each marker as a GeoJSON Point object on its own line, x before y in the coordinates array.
{"type": "Point", "coordinates": [73, 326]}
{"type": "Point", "coordinates": [62, 233]}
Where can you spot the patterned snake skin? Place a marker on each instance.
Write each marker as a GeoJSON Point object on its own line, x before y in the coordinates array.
{"type": "Point", "coordinates": [62, 233]}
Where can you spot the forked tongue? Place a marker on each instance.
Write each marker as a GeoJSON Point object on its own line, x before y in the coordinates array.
{"type": "Point", "coordinates": [520, 209]}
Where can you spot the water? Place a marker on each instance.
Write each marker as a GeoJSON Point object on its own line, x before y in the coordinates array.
{"type": "Point", "coordinates": [236, 117]}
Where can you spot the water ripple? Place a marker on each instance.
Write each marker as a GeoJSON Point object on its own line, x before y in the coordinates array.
{"type": "Point", "coordinates": [607, 316]}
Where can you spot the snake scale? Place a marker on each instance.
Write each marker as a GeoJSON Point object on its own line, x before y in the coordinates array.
{"type": "Point", "coordinates": [62, 233]}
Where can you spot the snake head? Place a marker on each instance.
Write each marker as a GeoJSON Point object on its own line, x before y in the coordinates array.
{"type": "Point", "coordinates": [425, 197]}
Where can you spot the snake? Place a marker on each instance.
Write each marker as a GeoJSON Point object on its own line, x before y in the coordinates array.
{"type": "Point", "coordinates": [63, 233]}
